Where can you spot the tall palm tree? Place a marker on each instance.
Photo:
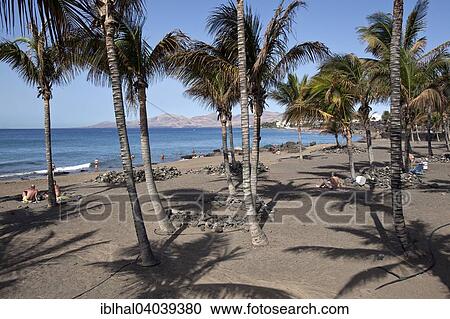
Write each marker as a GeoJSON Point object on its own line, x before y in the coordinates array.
{"type": "Point", "coordinates": [269, 57]}
{"type": "Point", "coordinates": [106, 14]}
{"type": "Point", "coordinates": [258, 236]}
{"type": "Point", "coordinates": [215, 90]}
{"type": "Point", "coordinates": [140, 64]}
{"type": "Point", "coordinates": [42, 65]}
{"type": "Point", "coordinates": [395, 127]}
{"type": "Point", "coordinates": [65, 14]}
{"type": "Point", "coordinates": [416, 68]}
{"type": "Point", "coordinates": [212, 78]}
{"type": "Point", "coordinates": [144, 64]}
{"type": "Point", "coordinates": [294, 94]}
{"type": "Point", "coordinates": [231, 138]}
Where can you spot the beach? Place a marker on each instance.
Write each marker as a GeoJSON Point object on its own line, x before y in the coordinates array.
{"type": "Point", "coordinates": [86, 247]}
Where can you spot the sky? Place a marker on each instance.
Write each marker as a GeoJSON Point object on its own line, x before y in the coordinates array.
{"type": "Point", "coordinates": [80, 103]}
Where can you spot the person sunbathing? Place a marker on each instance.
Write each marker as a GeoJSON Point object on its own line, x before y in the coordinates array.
{"type": "Point", "coordinates": [333, 182]}
{"type": "Point", "coordinates": [57, 190]}
{"type": "Point", "coordinates": [30, 194]}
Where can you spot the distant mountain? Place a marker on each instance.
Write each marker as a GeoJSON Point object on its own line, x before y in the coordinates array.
{"type": "Point", "coordinates": [171, 120]}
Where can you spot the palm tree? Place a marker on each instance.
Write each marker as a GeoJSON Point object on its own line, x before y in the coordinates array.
{"type": "Point", "coordinates": [106, 14]}
{"type": "Point", "coordinates": [258, 236]}
{"type": "Point", "coordinates": [335, 101]}
{"type": "Point", "coordinates": [294, 94]}
{"type": "Point", "coordinates": [395, 127]}
{"type": "Point", "coordinates": [42, 65]}
{"type": "Point", "coordinates": [417, 68]}
{"type": "Point", "coordinates": [140, 64]}
{"type": "Point", "coordinates": [212, 78]}
{"type": "Point", "coordinates": [215, 90]}
{"type": "Point", "coordinates": [359, 77]}
{"type": "Point", "coordinates": [230, 136]}
{"type": "Point", "coordinates": [65, 14]}
{"type": "Point", "coordinates": [269, 58]}
{"type": "Point", "coordinates": [332, 127]}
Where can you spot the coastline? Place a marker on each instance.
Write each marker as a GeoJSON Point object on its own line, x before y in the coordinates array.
{"type": "Point", "coordinates": [13, 187]}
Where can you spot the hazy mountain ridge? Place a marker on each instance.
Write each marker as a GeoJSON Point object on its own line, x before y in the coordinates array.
{"type": "Point", "coordinates": [179, 121]}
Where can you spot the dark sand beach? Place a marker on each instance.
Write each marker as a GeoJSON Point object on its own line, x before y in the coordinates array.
{"type": "Point", "coordinates": [66, 252]}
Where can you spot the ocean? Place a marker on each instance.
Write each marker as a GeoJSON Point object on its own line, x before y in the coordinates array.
{"type": "Point", "coordinates": [22, 151]}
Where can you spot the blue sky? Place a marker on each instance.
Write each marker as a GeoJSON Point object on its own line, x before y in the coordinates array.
{"type": "Point", "coordinates": [80, 103]}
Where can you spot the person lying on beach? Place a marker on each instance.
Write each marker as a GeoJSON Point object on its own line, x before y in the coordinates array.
{"type": "Point", "coordinates": [333, 182]}
{"type": "Point", "coordinates": [30, 194]}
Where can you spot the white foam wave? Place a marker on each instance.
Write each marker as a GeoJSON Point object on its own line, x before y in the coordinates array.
{"type": "Point", "coordinates": [44, 171]}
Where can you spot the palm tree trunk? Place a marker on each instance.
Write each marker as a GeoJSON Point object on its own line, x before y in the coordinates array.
{"type": "Point", "coordinates": [396, 128]}
{"type": "Point", "coordinates": [230, 128]}
{"type": "Point", "coordinates": [369, 144]}
{"type": "Point", "coordinates": [336, 137]}
{"type": "Point", "coordinates": [164, 223]}
{"type": "Point", "coordinates": [257, 234]}
{"type": "Point", "coordinates": [226, 162]}
{"type": "Point", "coordinates": [446, 133]}
{"type": "Point", "coordinates": [351, 162]}
{"type": "Point", "coordinates": [300, 143]}
{"type": "Point", "coordinates": [408, 148]}
{"type": "Point", "coordinates": [437, 136]}
{"type": "Point", "coordinates": [146, 254]}
{"type": "Point", "coordinates": [255, 157]}
{"type": "Point", "coordinates": [48, 152]}
{"type": "Point", "coordinates": [412, 135]}
{"type": "Point", "coordinates": [417, 134]}
{"type": "Point", "coordinates": [429, 124]}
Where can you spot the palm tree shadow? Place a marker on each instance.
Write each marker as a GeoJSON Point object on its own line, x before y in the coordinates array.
{"type": "Point", "coordinates": [182, 268]}
{"type": "Point", "coordinates": [434, 255]}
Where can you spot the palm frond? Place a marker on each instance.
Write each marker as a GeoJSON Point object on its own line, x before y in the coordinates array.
{"type": "Point", "coordinates": [415, 24]}
{"type": "Point", "coordinates": [20, 61]}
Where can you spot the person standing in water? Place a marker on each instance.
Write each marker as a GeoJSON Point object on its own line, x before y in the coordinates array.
{"type": "Point", "coordinates": [96, 164]}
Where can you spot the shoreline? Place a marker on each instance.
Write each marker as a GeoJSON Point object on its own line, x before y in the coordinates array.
{"type": "Point", "coordinates": [64, 171]}
{"type": "Point", "coordinates": [17, 185]}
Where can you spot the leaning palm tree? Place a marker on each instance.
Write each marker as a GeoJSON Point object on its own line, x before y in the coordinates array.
{"type": "Point", "coordinates": [41, 65]}
{"type": "Point", "coordinates": [294, 94]}
{"type": "Point", "coordinates": [269, 57]}
{"type": "Point", "coordinates": [107, 15]}
{"type": "Point", "coordinates": [395, 127]}
{"type": "Point", "coordinates": [104, 15]}
{"type": "Point", "coordinates": [258, 236]}
{"type": "Point", "coordinates": [140, 64]}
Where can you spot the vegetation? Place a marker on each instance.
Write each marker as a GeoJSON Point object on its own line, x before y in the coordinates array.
{"type": "Point", "coordinates": [40, 64]}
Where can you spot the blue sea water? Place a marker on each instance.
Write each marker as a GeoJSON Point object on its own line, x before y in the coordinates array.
{"type": "Point", "coordinates": [22, 151]}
